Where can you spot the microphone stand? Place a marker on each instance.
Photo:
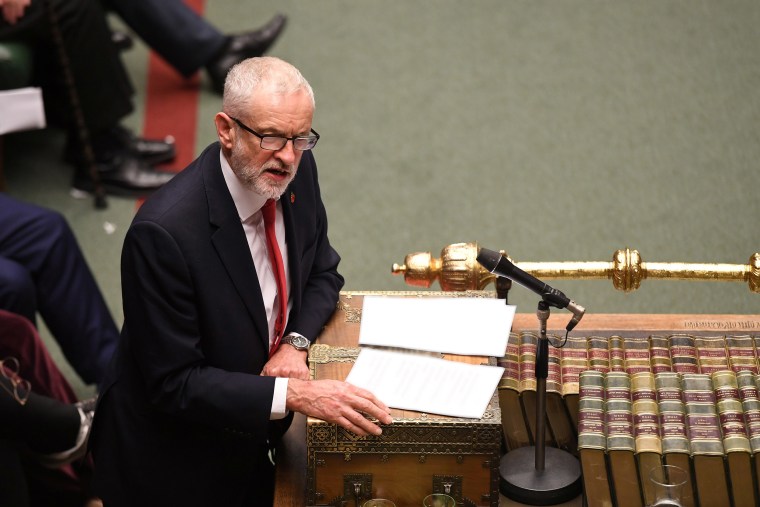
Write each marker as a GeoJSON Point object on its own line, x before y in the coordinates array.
{"type": "Point", "coordinates": [556, 474]}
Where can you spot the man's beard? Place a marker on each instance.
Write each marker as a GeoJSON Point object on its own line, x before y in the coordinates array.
{"type": "Point", "coordinates": [254, 177]}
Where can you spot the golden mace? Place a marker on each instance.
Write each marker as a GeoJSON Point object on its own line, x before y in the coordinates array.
{"type": "Point", "coordinates": [458, 270]}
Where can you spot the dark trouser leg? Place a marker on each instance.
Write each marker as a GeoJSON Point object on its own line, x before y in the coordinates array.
{"type": "Point", "coordinates": [68, 297]}
{"type": "Point", "coordinates": [173, 30]}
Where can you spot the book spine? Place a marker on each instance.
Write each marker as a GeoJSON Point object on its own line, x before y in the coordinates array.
{"type": "Point", "coordinates": [573, 360]}
{"type": "Point", "coordinates": [742, 355]}
{"type": "Point", "coordinates": [659, 354]}
{"type": "Point", "coordinates": [527, 349]}
{"type": "Point", "coordinates": [553, 371]}
{"type": "Point", "coordinates": [711, 354]}
{"type": "Point", "coordinates": [510, 379]}
{"type": "Point", "coordinates": [702, 423]}
{"type": "Point", "coordinates": [730, 412]}
{"type": "Point", "coordinates": [672, 413]}
{"type": "Point", "coordinates": [591, 421]}
{"type": "Point", "coordinates": [598, 354]}
{"type": "Point", "coordinates": [636, 355]}
{"type": "Point", "coordinates": [748, 394]}
{"type": "Point", "coordinates": [513, 423]}
{"type": "Point", "coordinates": [646, 426]}
{"type": "Point", "coordinates": [617, 354]}
{"type": "Point", "coordinates": [618, 412]}
{"type": "Point", "coordinates": [683, 355]}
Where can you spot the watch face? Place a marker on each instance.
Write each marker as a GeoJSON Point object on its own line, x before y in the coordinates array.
{"type": "Point", "coordinates": [299, 342]}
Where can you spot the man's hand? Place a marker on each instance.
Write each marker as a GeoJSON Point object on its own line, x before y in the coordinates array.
{"type": "Point", "coordinates": [338, 402]}
{"type": "Point", "coordinates": [13, 10]}
{"type": "Point", "coordinates": [287, 362]}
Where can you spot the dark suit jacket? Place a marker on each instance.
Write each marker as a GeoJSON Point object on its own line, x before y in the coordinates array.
{"type": "Point", "coordinates": [184, 416]}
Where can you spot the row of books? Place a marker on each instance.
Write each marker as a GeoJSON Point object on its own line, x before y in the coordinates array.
{"type": "Point", "coordinates": [679, 353]}
{"type": "Point", "coordinates": [706, 423]}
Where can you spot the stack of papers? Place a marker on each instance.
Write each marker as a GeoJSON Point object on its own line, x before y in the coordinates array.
{"type": "Point", "coordinates": [419, 381]}
{"type": "Point", "coordinates": [22, 109]}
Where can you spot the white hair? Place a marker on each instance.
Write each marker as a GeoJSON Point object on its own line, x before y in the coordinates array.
{"type": "Point", "coordinates": [251, 75]}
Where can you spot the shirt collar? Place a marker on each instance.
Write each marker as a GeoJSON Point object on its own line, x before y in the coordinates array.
{"type": "Point", "coordinates": [247, 201]}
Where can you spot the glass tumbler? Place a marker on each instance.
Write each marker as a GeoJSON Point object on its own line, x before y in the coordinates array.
{"type": "Point", "coordinates": [667, 483]}
{"type": "Point", "coordinates": [439, 500]}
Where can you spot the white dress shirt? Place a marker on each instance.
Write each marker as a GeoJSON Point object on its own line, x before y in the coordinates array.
{"type": "Point", "coordinates": [248, 204]}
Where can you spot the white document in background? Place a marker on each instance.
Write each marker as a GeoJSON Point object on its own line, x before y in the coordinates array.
{"type": "Point", "coordinates": [410, 381]}
{"type": "Point", "coordinates": [465, 326]}
{"type": "Point", "coordinates": [22, 109]}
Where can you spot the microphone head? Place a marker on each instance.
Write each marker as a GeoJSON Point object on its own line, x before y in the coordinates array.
{"type": "Point", "coordinates": [489, 259]}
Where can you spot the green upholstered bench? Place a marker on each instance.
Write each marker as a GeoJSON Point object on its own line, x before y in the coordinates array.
{"type": "Point", "coordinates": [15, 65]}
{"type": "Point", "coordinates": [15, 72]}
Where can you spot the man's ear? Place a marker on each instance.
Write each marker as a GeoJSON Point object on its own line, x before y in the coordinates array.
{"type": "Point", "coordinates": [224, 129]}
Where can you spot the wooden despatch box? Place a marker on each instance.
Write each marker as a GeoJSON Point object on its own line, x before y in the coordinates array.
{"type": "Point", "coordinates": [417, 455]}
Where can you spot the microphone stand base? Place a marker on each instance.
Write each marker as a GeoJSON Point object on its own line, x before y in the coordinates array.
{"type": "Point", "coordinates": [559, 482]}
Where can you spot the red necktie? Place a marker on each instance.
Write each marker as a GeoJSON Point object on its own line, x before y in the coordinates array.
{"type": "Point", "coordinates": [275, 257]}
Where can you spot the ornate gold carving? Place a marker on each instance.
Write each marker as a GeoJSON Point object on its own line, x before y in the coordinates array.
{"type": "Point", "coordinates": [320, 353]}
{"type": "Point", "coordinates": [353, 315]}
{"type": "Point", "coordinates": [458, 270]}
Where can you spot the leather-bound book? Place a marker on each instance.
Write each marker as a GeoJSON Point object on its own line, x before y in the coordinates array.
{"type": "Point", "coordinates": [646, 429]}
{"type": "Point", "coordinates": [675, 440]}
{"type": "Point", "coordinates": [513, 421]}
{"type": "Point", "coordinates": [683, 355]}
{"type": "Point", "coordinates": [636, 355]}
{"type": "Point", "coordinates": [659, 354]}
{"type": "Point", "coordinates": [559, 420]}
{"type": "Point", "coordinates": [592, 439]}
{"type": "Point", "coordinates": [711, 353]}
{"type": "Point", "coordinates": [598, 354]}
{"type": "Point", "coordinates": [620, 443]}
{"type": "Point", "coordinates": [528, 343]}
{"type": "Point", "coordinates": [736, 444]}
{"type": "Point", "coordinates": [573, 360]}
{"type": "Point", "coordinates": [742, 355]}
{"type": "Point", "coordinates": [748, 393]}
{"type": "Point", "coordinates": [617, 354]}
{"type": "Point", "coordinates": [703, 429]}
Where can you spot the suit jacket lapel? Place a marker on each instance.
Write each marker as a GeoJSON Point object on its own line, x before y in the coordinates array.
{"type": "Point", "coordinates": [231, 245]}
{"type": "Point", "coordinates": [294, 253]}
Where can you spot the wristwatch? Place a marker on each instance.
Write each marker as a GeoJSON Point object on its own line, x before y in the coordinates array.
{"type": "Point", "coordinates": [297, 341]}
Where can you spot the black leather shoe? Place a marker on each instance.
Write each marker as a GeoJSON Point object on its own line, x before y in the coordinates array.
{"type": "Point", "coordinates": [152, 151]}
{"type": "Point", "coordinates": [242, 46]}
{"type": "Point", "coordinates": [122, 40]}
{"type": "Point", "coordinates": [126, 174]}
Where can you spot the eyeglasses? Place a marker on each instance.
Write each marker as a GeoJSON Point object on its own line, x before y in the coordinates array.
{"type": "Point", "coordinates": [275, 143]}
{"type": "Point", "coordinates": [15, 385]}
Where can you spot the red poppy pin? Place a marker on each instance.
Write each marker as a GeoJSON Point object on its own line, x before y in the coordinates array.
{"type": "Point", "coordinates": [292, 198]}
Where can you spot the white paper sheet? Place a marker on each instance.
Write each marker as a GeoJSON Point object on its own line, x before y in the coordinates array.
{"type": "Point", "coordinates": [465, 326]}
{"type": "Point", "coordinates": [22, 109]}
{"type": "Point", "coordinates": [422, 383]}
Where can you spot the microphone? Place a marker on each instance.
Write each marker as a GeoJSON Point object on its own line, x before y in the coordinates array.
{"type": "Point", "coordinates": [499, 265]}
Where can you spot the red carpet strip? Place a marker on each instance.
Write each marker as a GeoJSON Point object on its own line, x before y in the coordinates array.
{"type": "Point", "coordinates": [171, 105]}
